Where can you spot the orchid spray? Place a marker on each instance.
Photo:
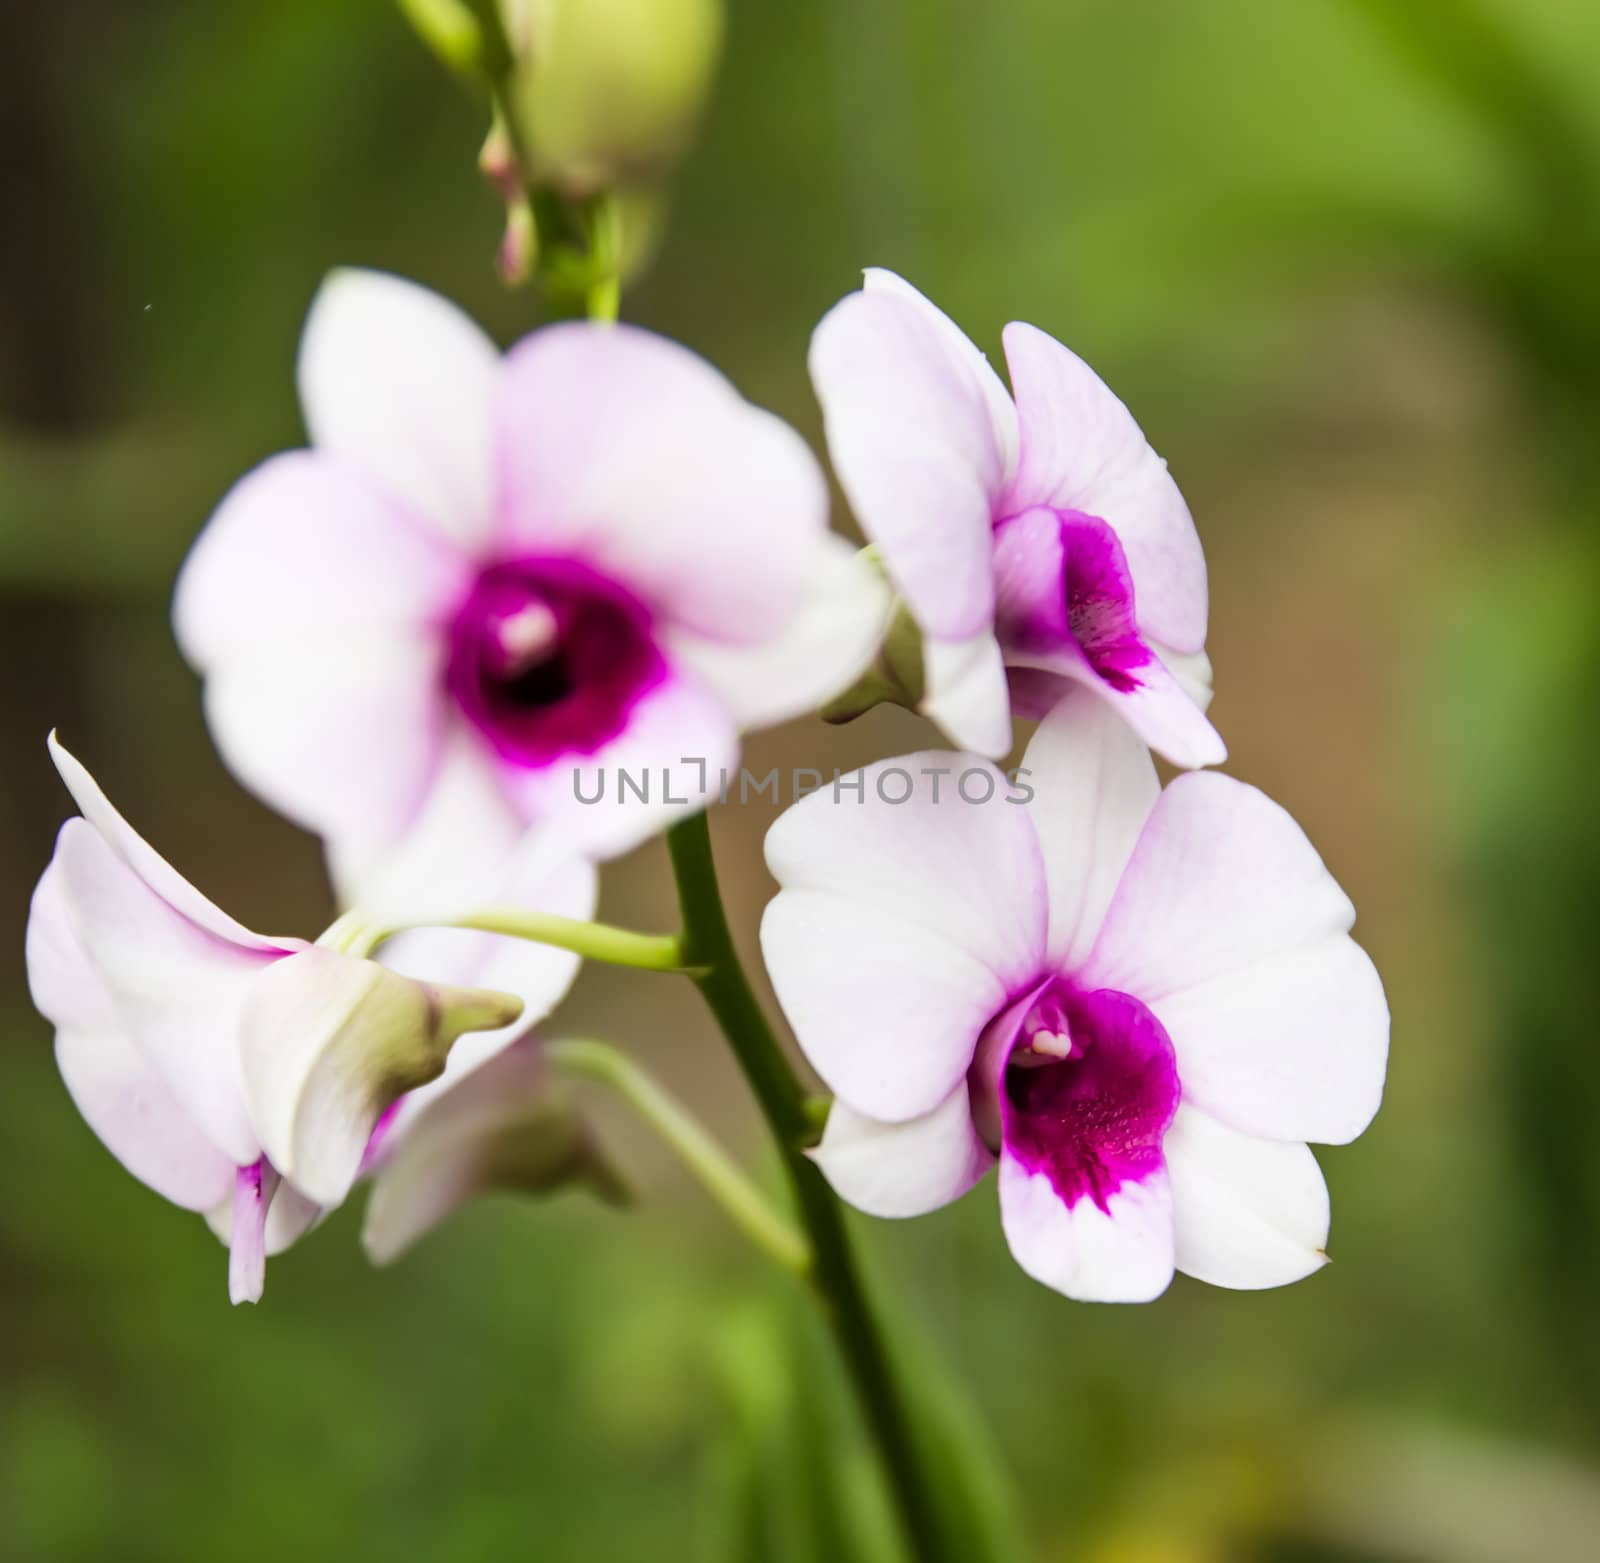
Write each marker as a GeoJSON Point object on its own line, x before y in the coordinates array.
{"type": "Point", "coordinates": [492, 582]}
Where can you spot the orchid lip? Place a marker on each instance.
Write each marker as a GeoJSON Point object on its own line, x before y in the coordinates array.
{"type": "Point", "coordinates": [548, 658]}
{"type": "Point", "coordinates": [1090, 614]}
{"type": "Point", "coordinates": [1088, 1091]}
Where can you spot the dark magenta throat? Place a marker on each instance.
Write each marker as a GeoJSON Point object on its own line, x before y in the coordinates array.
{"type": "Point", "coordinates": [1088, 1092]}
{"type": "Point", "coordinates": [1089, 605]}
{"type": "Point", "coordinates": [547, 659]}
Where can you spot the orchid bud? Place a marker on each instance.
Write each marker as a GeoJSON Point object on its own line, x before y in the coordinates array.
{"type": "Point", "coordinates": [328, 1043]}
{"type": "Point", "coordinates": [609, 92]}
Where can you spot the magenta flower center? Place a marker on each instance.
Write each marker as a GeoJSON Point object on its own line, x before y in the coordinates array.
{"type": "Point", "coordinates": [548, 659]}
{"type": "Point", "coordinates": [1099, 600]}
{"type": "Point", "coordinates": [1088, 1092]}
{"type": "Point", "coordinates": [1066, 592]}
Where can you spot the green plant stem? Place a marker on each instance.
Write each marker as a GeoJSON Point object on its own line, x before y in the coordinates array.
{"type": "Point", "coordinates": [716, 1171]}
{"type": "Point", "coordinates": [835, 1279]}
{"type": "Point", "coordinates": [577, 242]}
{"type": "Point", "coordinates": [593, 941]}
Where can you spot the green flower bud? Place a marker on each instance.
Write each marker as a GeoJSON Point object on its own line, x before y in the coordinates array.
{"type": "Point", "coordinates": [609, 92]}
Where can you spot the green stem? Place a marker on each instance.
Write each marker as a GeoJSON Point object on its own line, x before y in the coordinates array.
{"type": "Point", "coordinates": [593, 941]}
{"type": "Point", "coordinates": [708, 948]}
{"type": "Point", "coordinates": [576, 241]}
{"type": "Point", "coordinates": [716, 1171]}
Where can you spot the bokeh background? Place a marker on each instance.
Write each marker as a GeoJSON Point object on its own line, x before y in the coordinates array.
{"type": "Point", "coordinates": [1343, 259]}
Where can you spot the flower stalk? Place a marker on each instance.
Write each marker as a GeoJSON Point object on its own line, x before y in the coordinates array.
{"type": "Point", "coordinates": [593, 941]}
{"type": "Point", "coordinates": [834, 1277]}
{"type": "Point", "coordinates": [713, 1168]}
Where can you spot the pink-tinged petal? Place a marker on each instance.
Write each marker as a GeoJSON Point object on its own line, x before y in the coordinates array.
{"type": "Point", "coordinates": [671, 760]}
{"type": "Point", "coordinates": [1156, 708]}
{"type": "Point", "coordinates": [1123, 1253]}
{"type": "Point", "coordinates": [176, 990]}
{"type": "Point", "coordinates": [400, 382]}
{"type": "Point", "coordinates": [930, 841]}
{"type": "Point", "coordinates": [1192, 669]}
{"type": "Point", "coordinates": [1230, 928]}
{"type": "Point", "coordinates": [912, 440]}
{"type": "Point", "coordinates": [961, 347]}
{"type": "Point", "coordinates": [460, 842]}
{"type": "Point", "coordinates": [342, 739]}
{"type": "Point", "coordinates": [61, 982]}
{"type": "Point", "coordinates": [253, 1189]}
{"type": "Point", "coordinates": [1081, 450]}
{"type": "Point", "coordinates": [1247, 1213]}
{"type": "Point", "coordinates": [903, 1169]}
{"type": "Point", "coordinates": [1065, 607]}
{"type": "Point", "coordinates": [633, 454]}
{"type": "Point", "coordinates": [309, 548]}
{"type": "Point", "coordinates": [887, 1012]}
{"type": "Point", "coordinates": [313, 604]}
{"type": "Point", "coordinates": [148, 864]}
{"type": "Point", "coordinates": [822, 649]}
{"type": "Point", "coordinates": [1093, 788]}
{"type": "Point", "coordinates": [137, 1118]}
{"type": "Point", "coordinates": [329, 1043]}
{"type": "Point", "coordinates": [966, 694]}
{"type": "Point", "coordinates": [1293, 1047]}
{"type": "Point", "coordinates": [290, 1215]}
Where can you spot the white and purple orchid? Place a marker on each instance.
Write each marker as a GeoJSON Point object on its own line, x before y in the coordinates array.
{"type": "Point", "coordinates": [1141, 1003]}
{"type": "Point", "coordinates": [235, 1074]}
{"type": "Point", "coordinates": [1039, 543]}
{"type": "Point", "coordinates": [494, 584]}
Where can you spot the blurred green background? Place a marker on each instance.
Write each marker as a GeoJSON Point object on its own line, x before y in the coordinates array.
{"type": "Point", "coordinates": [1343, 259]}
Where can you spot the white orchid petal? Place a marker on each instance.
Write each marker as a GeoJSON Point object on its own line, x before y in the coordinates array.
{"type": "Point", "coordinates": [1248, 1213]}
{"type": "Point", "coordinates": [1123, 1253]}
{"type": "Point", "coordinates": [887, 1012]}
{"type": "Point", "coordinates": [932, 840]}
{"type": "Point", "coordinates": [399, 381]}
{"type": "Point", "coordinates": [821, 651]}
{"type": "Point", "coordinates": [669, 762]}
{"type": "Point", "coordinates": [903, 1169]}
{"type": "Point", "coordinates": [1081, 450]}
{"type": "Point", "coordinates": [634, 454]}
{"type": "Point", "coordinates": [176, 989]}
{"type": "Point", "coordinates": [1002, 410]}
{"type": "Point", "coordinates": [1093, 788]}
{"type": "Point", "coordinates": [966, 694]}
{"type": "Point", "coordinates": [162, 878]}
{"type": "Point", "coordinates": [911, 434]}
{"type": "Point", "coordinates": [1228, 925]}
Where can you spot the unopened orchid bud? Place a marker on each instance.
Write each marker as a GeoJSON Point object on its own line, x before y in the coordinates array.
{"type": "Point", "coordinates": [328, 1043]}
{"type": "Point", "coordinates": [609, 92]}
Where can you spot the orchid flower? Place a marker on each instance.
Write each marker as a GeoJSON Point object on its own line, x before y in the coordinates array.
{"type": "Point", "coordinates": [1039, 544]}
{"type": "Point", "coordinates": [546, 588]}
{"type": "Point", "coordinates": [235, 1074]}
{"type": "Point", "coordinates": [1142, 1003]}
